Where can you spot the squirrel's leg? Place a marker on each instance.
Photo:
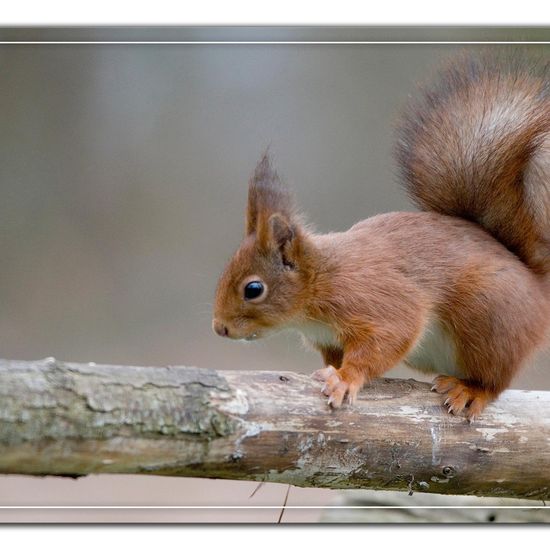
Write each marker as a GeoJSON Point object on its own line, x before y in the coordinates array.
{"type": "Point", "coordinates": [332, 357]}
{"type": "Point", "coordinates": [494, 332]}
{"type": "Point", "coordinates": [487, 369]}
{"type": "Point", "coordinates": [360, 364]}
{"type": "Point", "coordinates": [372, 348]}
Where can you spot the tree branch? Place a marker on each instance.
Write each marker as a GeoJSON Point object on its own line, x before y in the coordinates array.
{"type": "Point", "coordinates": [74, 419]}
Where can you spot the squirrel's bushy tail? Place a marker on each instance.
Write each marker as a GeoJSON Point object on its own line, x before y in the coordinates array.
{"type": "Point", "coordinates": [476, 144]}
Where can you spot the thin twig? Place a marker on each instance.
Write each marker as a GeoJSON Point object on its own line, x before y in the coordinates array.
{"type": "Point", "coordinates": [258, 487]}
{"type": "Point", "coordinates": [284, 504]}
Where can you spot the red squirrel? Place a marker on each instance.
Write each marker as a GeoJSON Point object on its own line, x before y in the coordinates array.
{"type": "Point", "coordinates": [460, 288]}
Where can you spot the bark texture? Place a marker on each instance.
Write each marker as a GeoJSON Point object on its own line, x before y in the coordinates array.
{"type": "Point", "coordinates": [74, 419]}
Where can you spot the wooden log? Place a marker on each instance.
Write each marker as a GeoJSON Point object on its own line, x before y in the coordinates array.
{"type": "Point", "coordinates": [74, 419]}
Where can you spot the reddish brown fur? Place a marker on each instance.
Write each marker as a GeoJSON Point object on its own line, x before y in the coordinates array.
{"type": "Point", "coordinates": [466, 145]}
{"type": "Point", "coordinates": [474, 147]}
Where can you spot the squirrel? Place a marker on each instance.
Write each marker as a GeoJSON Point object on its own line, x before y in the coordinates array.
{"type": "Point", "coordinates": [460, 288]}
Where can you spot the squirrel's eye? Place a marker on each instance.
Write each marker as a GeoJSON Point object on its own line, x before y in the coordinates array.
{"type": "Point", "coordinates": [253, 290]}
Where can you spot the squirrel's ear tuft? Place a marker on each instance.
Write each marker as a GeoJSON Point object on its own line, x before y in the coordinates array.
{"type": "Point", "coordinates": [267, 195]}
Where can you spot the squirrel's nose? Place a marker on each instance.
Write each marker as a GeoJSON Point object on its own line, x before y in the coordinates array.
{"type": "Point", "coordinates": [219, 328]}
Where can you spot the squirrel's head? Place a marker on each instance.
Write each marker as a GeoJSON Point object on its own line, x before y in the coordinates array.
{"type": "Point", "coordinates": [264, 286]}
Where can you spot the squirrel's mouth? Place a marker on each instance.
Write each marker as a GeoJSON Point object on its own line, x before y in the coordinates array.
{"type": "Point", "coordinates": [233, 333]}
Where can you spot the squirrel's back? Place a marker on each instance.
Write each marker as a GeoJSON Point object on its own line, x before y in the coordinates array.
{"type": "Point", "coordinates": [476, 144]}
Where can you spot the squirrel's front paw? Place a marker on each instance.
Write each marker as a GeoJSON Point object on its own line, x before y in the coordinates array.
{"type": "Point", "coordinates": [335, 388]}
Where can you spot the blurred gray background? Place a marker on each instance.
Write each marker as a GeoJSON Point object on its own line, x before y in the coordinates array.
{"type": "Point", "coordinates": [123, 177]}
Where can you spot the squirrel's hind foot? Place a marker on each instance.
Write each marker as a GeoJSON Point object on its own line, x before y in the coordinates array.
{"type": "Point", "coordinates": [461, 396]}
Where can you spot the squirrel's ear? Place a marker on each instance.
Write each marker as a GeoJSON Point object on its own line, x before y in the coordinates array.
{"type": "Point", "coordinates": [267, 195]}
{"type": "Point", "coordinates": [280, 231]}
{"type": "Point", "coordinates": [278, 234]}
